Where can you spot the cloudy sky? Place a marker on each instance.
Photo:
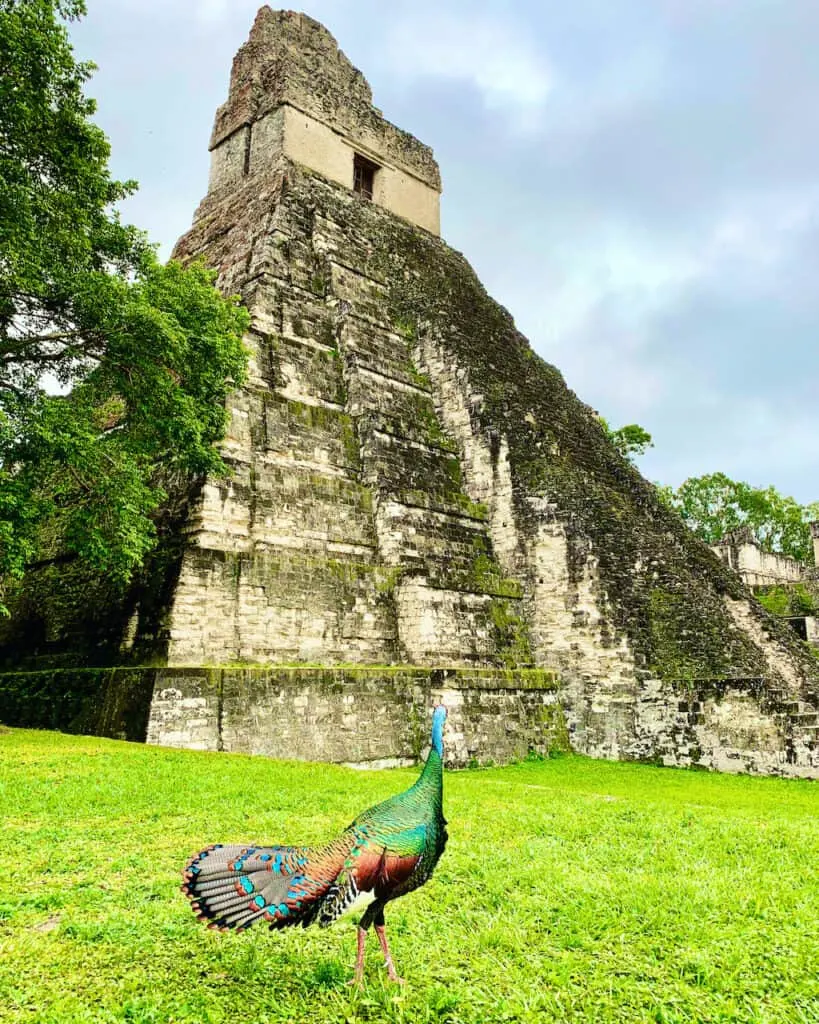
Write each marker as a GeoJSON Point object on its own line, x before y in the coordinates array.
{"type": "Point", "coordinates": [637, 181]}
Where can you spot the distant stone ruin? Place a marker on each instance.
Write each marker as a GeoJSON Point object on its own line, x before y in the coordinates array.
{"type": "Point", "coordinates": [759, 568]}
{"type": "Point", "coordinates": [794, 585]}
{"type": "Point", "coordinates": [418, 508]}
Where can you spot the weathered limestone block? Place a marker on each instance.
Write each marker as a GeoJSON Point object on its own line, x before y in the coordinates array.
{"type": "Point", "coordinates": [442, 627]}
{"type": "Point", "coordinates": [368, 717]}
{"type": "Point", "coordinates": [294, 94]}
{"type": "Point", "coordinates": [185, 710]}
{"type": "Point", "coordinates": [734, 725]}
{"type": "Point", "coordinates": [308, 371]}
{"type": "Point", "coordinates": [280, 605]}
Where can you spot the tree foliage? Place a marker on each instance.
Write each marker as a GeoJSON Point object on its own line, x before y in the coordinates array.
{"type": "Point", "coordinates": [143, 354]}
{"type": "Point", "coordinates": [713, 505]}
{"type": "Point", "coordinates": [630, 440]}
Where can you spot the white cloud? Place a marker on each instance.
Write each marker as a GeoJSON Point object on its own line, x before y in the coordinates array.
{"type": "Point", "coordinates": [596, 323]}
{"type": "Point", "coordinates": [203, 12]}
{"type": "Point", "coordinates": [761, 227]}
{"type": "Point", "coordinates": [212, 11]}
{"type": "Point", "coordinates": [485, 53]}
{"type": "Point", "coordinates": [749, 438]}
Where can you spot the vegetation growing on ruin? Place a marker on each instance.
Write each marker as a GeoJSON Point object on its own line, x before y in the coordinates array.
{"type": "Point", "coordinates": [511, 634]}
{"type": "Point", "coordinates": [144, 354]}
{"type": "Point", "coordinates": [792, 599]}
{"type": "Point", "coordinates": [487, 577]}
{"type": "Point", "coordinates": [570, 890]}
{"type": "Point", "coordinates": [713, 506]}
{"type": "Point", "coordinates": [427, 419]}
{"type": "Point", "coordinates": [662, 585]}
{"type": "Point", "coordinates": [677, 654]}
{"type": "Point", "coordinates": [461, 502]}
{"type": "Point", "coordinates": [387, 579]}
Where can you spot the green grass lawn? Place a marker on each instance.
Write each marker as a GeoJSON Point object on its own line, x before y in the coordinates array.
{"type": "Point", "coordinates": [571, 890]}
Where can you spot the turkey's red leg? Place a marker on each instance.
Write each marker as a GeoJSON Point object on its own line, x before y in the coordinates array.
{"type": "Point", "coordinates": [381, 932]}
{"type": "Point", "coordinates": [359, 958]}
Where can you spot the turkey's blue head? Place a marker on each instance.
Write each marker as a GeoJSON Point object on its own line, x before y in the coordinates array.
{"type": "Point", "coordinates": [438, 719]}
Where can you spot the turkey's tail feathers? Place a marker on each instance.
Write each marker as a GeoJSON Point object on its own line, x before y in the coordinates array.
{"type": "Point", "coordinates": [236, 886]}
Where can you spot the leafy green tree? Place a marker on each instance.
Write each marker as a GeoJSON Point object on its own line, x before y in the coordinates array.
{"type": "Point", "coordinates": [142, 354]}
{"type": "Point", "coordinates": [713, 505]}
{"type": "Point", "coordinates": [631, 440]}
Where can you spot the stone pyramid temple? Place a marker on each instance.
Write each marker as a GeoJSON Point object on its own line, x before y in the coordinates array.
{"type": "Point", "coordinates": [419, 508]}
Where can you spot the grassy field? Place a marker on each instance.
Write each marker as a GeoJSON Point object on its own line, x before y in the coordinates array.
{"type": "Point", "coordinates": [571, 890]}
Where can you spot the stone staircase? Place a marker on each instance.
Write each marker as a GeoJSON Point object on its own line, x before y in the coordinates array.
{"type": "Point", "coordinates": [795, 720]}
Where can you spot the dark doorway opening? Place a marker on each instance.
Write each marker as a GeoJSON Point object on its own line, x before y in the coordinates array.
{"type": "Point", "coordinates": [798, 623]}
{"type": "Point", "coordinates": [363, 176]}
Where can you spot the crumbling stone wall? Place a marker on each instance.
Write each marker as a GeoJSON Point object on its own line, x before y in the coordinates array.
{"type": "Point", "coordinates": [729, 725]}
{"type": "Point", "coordinates": [740, 551]}
{"type": "Point", "coordinates": [293, 93]}
{"type": "Point", "coordinates": [369, 716]}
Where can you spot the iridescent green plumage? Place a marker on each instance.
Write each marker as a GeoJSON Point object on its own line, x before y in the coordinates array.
{"type": "Point", "coordinates": [387, 851]}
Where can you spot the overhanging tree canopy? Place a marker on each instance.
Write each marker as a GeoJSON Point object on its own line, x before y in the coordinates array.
{"type": "Point", "coordinates": [713, 505]}
{"type": "Point", "coordinates": [144, 354]}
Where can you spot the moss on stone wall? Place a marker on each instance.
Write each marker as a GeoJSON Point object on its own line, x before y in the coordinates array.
{"type": "Point", "coordinates": [665, 589]}
{"type": "Point", "coordinates": [103, 702]}
{"type": "Point", "coordinates": [511, 634]}
{"type": "Point", "coordinates": [483, 575]}
{"type": "Point", "coordinates": [789, 599]}
{"type": "Point", "coordinates": [426, 423]}
{"type": "Point", "coordinates": [678, 652]}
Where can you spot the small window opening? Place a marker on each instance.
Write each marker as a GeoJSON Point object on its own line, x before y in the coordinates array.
{"type": "Point", "coordinates": [363, 176]}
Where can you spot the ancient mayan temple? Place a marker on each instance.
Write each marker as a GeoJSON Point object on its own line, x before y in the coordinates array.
{"type": "Point", "coordinates": [418, 505]}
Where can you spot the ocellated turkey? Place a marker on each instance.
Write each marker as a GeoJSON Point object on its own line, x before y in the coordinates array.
{"type": "Point", "coordinates": [388, 851]}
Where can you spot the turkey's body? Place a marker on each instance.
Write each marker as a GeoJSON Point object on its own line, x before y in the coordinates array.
{"type": "Point", "coordinates": [389, 850]}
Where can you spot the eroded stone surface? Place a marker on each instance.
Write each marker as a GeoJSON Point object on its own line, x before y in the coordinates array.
{"type": "Point", "coordinates": [369, 717]}
{"type": "Point", "coordinates": [293, 93]}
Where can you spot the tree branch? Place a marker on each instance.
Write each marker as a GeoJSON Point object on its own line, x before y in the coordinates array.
{"type": "Point", "coordinates": [19, 345]}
